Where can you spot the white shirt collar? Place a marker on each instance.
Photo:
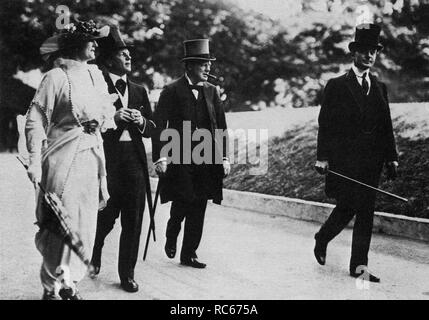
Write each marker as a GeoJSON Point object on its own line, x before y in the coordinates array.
{"type": "Point", "coordinates": [115, 77]}
{"type": "Point", "coordinates": [201, 83]}
{"type": "Point", "coordinates": [359, 73]}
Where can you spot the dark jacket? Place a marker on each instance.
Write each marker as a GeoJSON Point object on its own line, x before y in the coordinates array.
{"type": "Point", "coordinates": [176, 105]}
{"type": "Point", "coordinates": [355, 132]}
{"type": "Point", "coordinates": [137, 99]}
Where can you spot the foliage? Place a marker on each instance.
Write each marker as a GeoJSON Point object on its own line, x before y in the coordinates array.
{"type": "Point", "coordinates": [254, 52]}
{"type": "Point", "coordinates": [260, 61]}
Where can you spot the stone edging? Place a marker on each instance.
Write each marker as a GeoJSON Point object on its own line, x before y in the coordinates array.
{"type": "Point", "coordinates": [387, 223]}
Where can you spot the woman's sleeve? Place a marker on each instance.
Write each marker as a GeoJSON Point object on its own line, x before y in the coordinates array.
{"type": "Point", "coordinates": [39, 115]}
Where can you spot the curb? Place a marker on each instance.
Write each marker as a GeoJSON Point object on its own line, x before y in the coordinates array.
{"type": "Point", "coordinates": [384, 223]}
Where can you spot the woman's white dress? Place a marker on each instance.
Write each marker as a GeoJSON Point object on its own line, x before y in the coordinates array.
{"type": "Point", "coordinates": [73, 163]}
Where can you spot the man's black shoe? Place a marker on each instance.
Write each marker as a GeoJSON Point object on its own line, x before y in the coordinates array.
{"type": "Point", "coordinates": [194, 263]}
{"type": "Point", "coordinates": [170, 248]}
{"type": "Point", "coordinates": [129, 285]}
{"type": "Point", "coordinates": [365, 275]}
{"type": "Point", "coordinates": [96, 262]}
{"type": "Point", "coordinates": [320, 252]}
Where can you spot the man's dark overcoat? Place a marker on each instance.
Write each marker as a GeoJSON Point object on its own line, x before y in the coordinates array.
{"type": "Point", "coordinates": [355, 132]}
{"type": "Point", "coordinates": [176, 105]}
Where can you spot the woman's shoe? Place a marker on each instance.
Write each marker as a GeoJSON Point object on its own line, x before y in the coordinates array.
{"type": "Point", "coordinates": [50, 295]}
{"type": "Point", "coordinates": [68, 294]}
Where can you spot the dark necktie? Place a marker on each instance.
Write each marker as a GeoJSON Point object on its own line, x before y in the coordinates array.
{"type": "Point", "coordinates": [121, 85]}
{"type": "Point", "coordinates": [365, 85]}
{"type": "Point", "coordinates": [194, 87]}
{"type": "Point", "coordinates": [198, 88]}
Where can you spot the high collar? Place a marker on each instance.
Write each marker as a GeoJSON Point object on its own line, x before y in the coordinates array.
{"type": "Point", "coordinates": [115, 77]}
{"type": "Point", "coordinates": [70, 64]}
{"type": "Point", "coordinates": [358, 72]}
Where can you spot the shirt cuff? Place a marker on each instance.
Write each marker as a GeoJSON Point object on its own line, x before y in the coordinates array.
{"type": "Point", "coordinates": [144, 126]}
{"type": "Point", "coordinates": [160, 160]}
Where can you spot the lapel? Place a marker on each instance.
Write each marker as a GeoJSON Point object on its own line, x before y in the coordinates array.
{"type": "Point", "coordinates": [112, 89]}
{"type": "Point", "coordinates": [355, 89]}
{"type": "Point", "coordinates": [185, 95]}
{"type": "Point", "coordinates": [208, 96]}
{"type": "Point", "coordinates": [132, 95]}
{"type": "Point", "coordinates": [375, 85]}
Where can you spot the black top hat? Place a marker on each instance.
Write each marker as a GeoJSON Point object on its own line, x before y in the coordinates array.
{"type": "Point", "coordinates": [112, 42]}
{"type": "Point", "coordinates": [367, 35]}
{"type": "Point", "coordinates": [197, 49]}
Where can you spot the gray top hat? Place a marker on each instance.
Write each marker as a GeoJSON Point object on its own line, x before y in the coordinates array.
{"type": "Point", "coordinates": [197, 49]}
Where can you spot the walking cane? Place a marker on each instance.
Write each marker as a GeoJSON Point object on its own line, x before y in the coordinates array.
{"type": "Point", "coordinates": [368, 186]}
{"type": "Point", "coordinates": [152, 221]}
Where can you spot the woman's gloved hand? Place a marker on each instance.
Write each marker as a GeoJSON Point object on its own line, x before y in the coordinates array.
{"type": "Point", "coordinates": [34, 170]}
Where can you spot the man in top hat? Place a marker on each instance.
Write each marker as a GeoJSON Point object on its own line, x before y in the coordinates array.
{"type": "Point", "coordinates": [126, 163]}
{"type": "Point", "coordinates": [190, 106]}
{"type": "Point", "coordinates": [356, 139]}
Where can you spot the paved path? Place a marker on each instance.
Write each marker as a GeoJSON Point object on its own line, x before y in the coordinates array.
{"type": "Point", "coordinates": [249, 256]}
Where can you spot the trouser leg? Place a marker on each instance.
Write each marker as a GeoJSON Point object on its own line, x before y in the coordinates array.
{"type": "Point", "coordinates": [337, 221]}
{"type": "Point", "coordinates": [362, 232]}
{"type": "Point", "coordinates": [178, 212]}
{"type": "Point", "coordinates": [130, 177]}
{"type": "Point", "coordinates": [131, 222]}
{"type": "Point", "coordinates": [194, 223]}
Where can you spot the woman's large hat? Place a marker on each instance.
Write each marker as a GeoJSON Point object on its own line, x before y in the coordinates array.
{"type": "Point", "coordinates": [197, 49]}
{"type": "Point", "coordinates": [71, 36]}
{"type": "Point", "coordinates": [366, 35]}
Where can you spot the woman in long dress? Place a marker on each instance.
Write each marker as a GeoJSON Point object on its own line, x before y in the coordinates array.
{"type": "Point", "coordinates": [66, 154]}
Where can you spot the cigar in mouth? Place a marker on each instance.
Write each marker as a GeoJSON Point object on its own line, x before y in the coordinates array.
{"type": "Point", "coordinates": [211, 76]}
